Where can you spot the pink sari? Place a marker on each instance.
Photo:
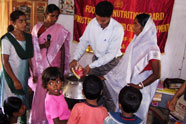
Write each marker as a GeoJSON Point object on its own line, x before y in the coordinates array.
{"type": "Point", "coordinates": [43, 59]}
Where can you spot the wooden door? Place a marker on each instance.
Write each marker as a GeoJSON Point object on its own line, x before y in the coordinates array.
{"type": "Point", "coordinates": [27, 7]}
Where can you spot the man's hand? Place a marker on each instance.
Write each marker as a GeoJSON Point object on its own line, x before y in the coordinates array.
{"type": "Point", "coordinates": [86, 70]}
{"type": "Point", "coordinates": [73, 64]}
{"type": "Point", "coordinates": [102, 78]}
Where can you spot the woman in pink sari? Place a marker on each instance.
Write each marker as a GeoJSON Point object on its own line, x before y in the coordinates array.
{"type": "Point", "coordinates": [51, 48]}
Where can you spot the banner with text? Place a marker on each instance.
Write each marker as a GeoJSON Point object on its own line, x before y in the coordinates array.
{"type": "Point", "coordinates": [125, 12]}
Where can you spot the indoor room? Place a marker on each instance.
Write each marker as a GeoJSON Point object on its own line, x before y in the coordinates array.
{"type": "Point", "coordinates": [93, 61]}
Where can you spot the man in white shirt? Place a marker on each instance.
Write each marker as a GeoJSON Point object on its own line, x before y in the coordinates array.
{"type": "Point", "coordinates": [105, 36]}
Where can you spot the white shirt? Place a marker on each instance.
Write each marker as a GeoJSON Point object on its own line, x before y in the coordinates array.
{"type": "Point", "coordinates": [105, 43]}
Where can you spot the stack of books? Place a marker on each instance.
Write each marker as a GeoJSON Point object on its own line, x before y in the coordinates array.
{"type": "Point", "coordinates": [162, 90]}
{"type": "Point", "coordinates": [165, 90]}
{"type": "Point", "coordinates": [157, 97]}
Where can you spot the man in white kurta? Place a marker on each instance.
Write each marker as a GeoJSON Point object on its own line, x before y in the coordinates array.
{"type": "Point", "coordinates": [104, 35]}
{"type": "Point", "coordinates": [105, 43]}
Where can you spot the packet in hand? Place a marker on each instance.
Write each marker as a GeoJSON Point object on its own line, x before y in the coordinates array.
{"type": "Point", "coordinates": [78, 71]}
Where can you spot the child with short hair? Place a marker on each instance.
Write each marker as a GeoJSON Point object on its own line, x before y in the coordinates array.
{"type": "Point", "coordinates": [13, 107]}
{"type": "Point", "coordinates": [56, 108]}
{"type": "Point", "coordinates": [89, 112]}
{"type": "Point", "coordinates": [129, 102]}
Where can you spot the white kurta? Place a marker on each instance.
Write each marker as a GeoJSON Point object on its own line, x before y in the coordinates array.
{"type": "Point", "coordinates": [105, 43]}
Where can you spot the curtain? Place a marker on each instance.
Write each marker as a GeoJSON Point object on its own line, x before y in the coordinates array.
{"type": "Point", "coordinates": [5, 10]}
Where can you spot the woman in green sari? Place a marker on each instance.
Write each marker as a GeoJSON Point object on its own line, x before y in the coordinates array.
{"type": "Point", "coordinates": [16, 52]}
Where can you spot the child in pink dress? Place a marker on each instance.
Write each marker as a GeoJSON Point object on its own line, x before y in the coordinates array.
{"type": "Point", "coordinates": [56, 108]}
{"type": "Point", "coordinates": [89, 112]}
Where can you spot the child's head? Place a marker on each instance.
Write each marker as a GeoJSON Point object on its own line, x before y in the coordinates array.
{"type": "Point", "coordinates": [130, 99]}
{"type": "Point", "coordinates": [52, 80]}
{"type": "Point", "coordinates": [92, 87]}
{"type": "Point", "coordinates": [13, 107]}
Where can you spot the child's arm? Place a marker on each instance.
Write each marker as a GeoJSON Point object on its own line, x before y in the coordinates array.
{"type": "Point", "coordinates": [172, 103]}
{"type": "Point", "coordinates": [57, 121]}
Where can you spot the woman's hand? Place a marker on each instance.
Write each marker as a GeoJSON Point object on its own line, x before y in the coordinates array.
{"type": "Point", "coordinates": [8, 69]}
{"type": "Point", "coordinates": [30, 92]}
{"type": "Point", "coordinates": [47, 44]}
{"type": "Point", "coordinates": [35, 79]}
{"type": "Point", "coordinates": [17, 85]}
{"type": "Point", "coordinates": [134, 85]}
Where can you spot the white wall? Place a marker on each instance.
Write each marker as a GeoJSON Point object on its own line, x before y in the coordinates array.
{"type": "Point", "coordinates": [173, 62]}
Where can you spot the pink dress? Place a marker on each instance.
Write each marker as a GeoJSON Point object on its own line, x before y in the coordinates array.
{"type": "Point", "coordinates": [82, 113]}
{"type": "Point", "coordinates": [56, 106]}
{"type": "Point", "coordinates": [42, 59]}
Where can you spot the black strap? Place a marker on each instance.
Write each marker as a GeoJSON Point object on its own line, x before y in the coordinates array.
{"type": "Point", "coordinates": [11, 83]}
{"type": "Point", "coordinates": [23, 54]}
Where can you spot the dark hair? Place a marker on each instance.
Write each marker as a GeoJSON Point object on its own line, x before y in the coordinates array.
{"type": "Point", "coordinates": [92, 87]}
{"type": "Point", "coordinates": [142, 19]}
{"type": "Point", "coordinates": [12, 104]}
{"type": "Point", "coordinates": [3, 118]}
{"type": "Point", "coordinates": [51, 8]}
{"type": "Point", "coordinates": [104, 9]}
{"type": "Point", "coordinates": [51, 73]}
{"type": "Point", "coordinates": [13, 17]}
{"type": "Point", "coordinates": [130, 99]}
